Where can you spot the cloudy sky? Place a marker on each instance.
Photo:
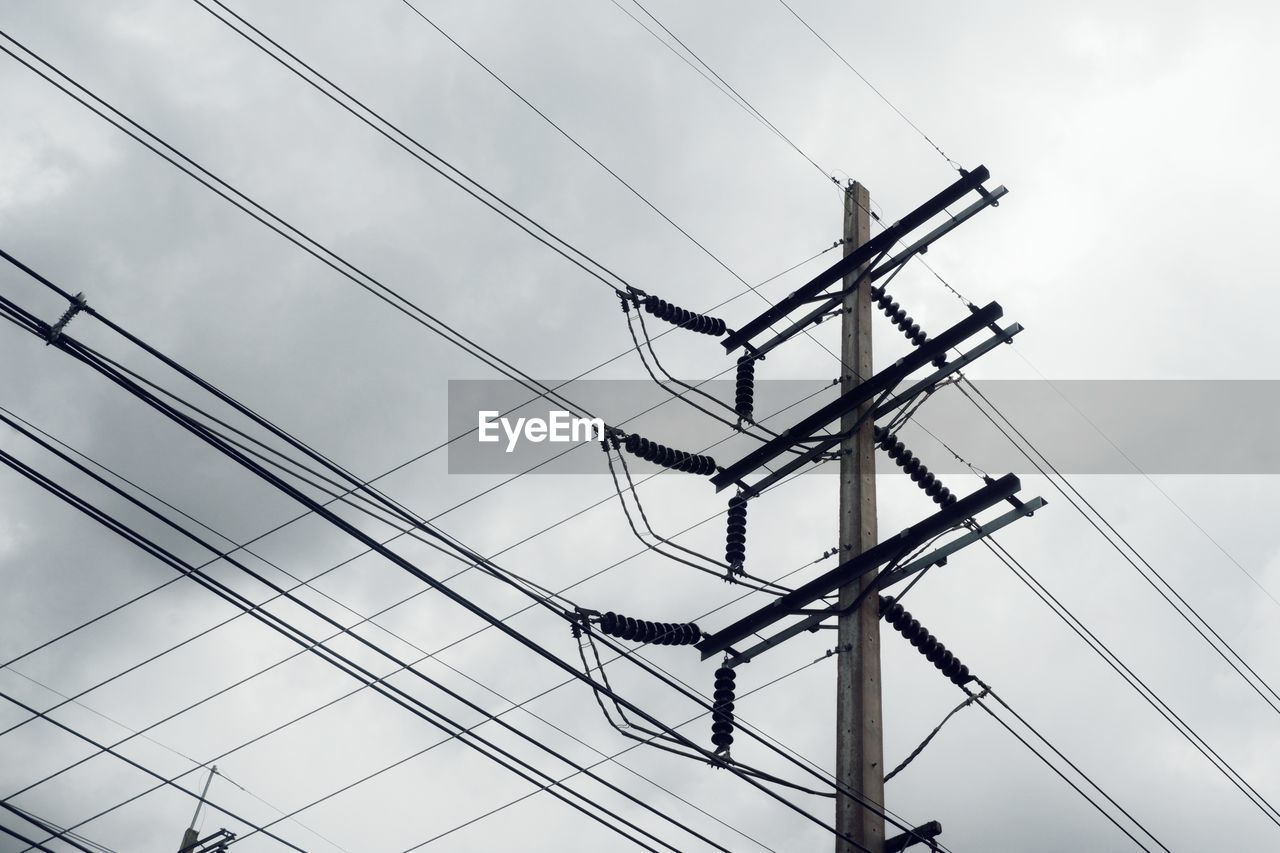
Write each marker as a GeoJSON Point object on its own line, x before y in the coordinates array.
{"type": "Point", "coordinates": [1137, 143]}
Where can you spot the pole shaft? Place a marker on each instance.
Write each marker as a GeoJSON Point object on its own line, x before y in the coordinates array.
{"type": "Point", "coordinates": [859, 732]}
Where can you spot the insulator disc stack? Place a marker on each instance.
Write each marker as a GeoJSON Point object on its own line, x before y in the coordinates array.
{"type": "Point", "coordinates": [903, 321]}
{"type": "Point", "coordinates": [722, 709]}
{"type": "Point", "coordinates": [684, 318]}
{"type": "Point", "coordinates": [744, 395]}
{"type": "Point", "coordinates": [735, 545]}
{"type": "Point", "coordinates": [668, 457]}
{"type": "Point", "coordinates": [925, 643]}
{"type": "Point", "coordinates": [911, 465]}
{"type": "Point", "coordinates": [642, 631]}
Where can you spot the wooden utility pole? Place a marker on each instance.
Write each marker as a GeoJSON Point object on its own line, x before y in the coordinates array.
{"type": "Point", "coordinates": [859, 732]}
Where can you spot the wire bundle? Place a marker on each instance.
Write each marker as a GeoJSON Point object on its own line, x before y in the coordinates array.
{"type": "Point", "coordinates": [642, 631]}
{"type": "Point", "coordinates": [744, 395]}
{"type": "Point", "coordinates": [684, 318]}
{"type": "Point", "coordinates": [927, 644]}
{"type": "Point", "coordinates": [722, 709]}
{"type": "Point", "coordinates": [903, 321]}
{"type": "Point", "coordinates": [668, 457]}
{"type": "Point", "coordinates": [911, 464]}
{"type": "Point", "coordinates": [735, 545]}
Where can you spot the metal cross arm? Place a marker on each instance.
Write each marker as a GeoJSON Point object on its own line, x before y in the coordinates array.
{"type": "Point", "coordinates": [885, 579]}
{"type": "Point", "coordinates": [877, 245]}
{"type": "Point", "coordinates": [877, 270]}
{"type": "Point", "coordinates": [864, 392]}
{"type": "Point", "coordinates": [855, 567]}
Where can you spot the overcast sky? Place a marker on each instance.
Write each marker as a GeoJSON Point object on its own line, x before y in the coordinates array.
{"type": "Point", "coordinates": [1137, 142]}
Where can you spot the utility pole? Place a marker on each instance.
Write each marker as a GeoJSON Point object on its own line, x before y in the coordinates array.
{"type": "Point", "coordinates": [859, 729]}
{"type": "Point", "coordinates": [189, 838]}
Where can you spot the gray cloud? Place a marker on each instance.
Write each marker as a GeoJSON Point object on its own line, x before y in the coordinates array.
{"type": "Point", "coordinates": [1134, 244]}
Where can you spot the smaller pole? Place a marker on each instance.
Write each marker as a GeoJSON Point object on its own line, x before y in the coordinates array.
{"type": "Point", "coordinates": [189, 838]}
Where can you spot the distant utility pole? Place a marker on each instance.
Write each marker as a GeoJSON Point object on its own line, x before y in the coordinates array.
{"type": "Point", "coordinates": [859, 725]}
{"type": "Point", "coordinates": [189, 838]}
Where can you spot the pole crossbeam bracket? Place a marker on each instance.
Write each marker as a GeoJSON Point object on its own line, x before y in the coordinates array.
{"type": "Point", "coordinates": [855, 567]}
{"type": "Point", "coordinates": [859, 257]}
{"type": "Point", "coordinates": [881, 383]}
{"type": "Point", "coordinates": [937, 557]}
{"type": "Point", "coordinates": [920, 835]}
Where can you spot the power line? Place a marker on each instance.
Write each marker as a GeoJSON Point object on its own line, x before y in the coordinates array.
{"type": "Point", "coordinates": [206, 631]}
{"type": "Point", "coordinates": [501, 756]}
{"type": "Point", "coordinates": [259, 537]}
{"type": "Point", "coordinates": [735, 92]}
{"type": "Point", "coordinates": [1109, 532]}
{"type": "Point", "coordinates": [89, 357]}
{"type": "Point", "coordinates": [871, 85]}
{"type": "Point", "coordinates": [275, 223]}
{"type": "Point", "coordinates": [137, 766]}
{"type": "Point", "coordinates": [259, 613]}
{"type": "Point", "coordinates": [1109, 657]}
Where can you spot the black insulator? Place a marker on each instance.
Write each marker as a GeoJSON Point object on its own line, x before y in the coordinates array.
{"type": "Point", "coordinates": [722, 708]}
{"type": "Point", "coordinates": [744, 389]}
{"type": "Point", "coordinates": [735, 546]}
{"type": "Point", "coordinates": [669, 457]}
{"type": "Point", "coordinates": [927, 644]}
{"type": "Point", "coordinates": [609, 624]}
{"type": "Point", "coordinates": [684, 318]}
{"type": "Point", "coordinates": [642, 631]}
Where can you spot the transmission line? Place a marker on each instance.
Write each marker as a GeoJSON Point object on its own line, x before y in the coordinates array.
{"type": "Point", "coordinates": [87, 355]}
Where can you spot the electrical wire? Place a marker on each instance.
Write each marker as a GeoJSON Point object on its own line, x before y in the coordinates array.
{"type": "Point", "coordinates": [117, 608]}
{"type": "Point", "coordinates": [138, 766]}
{"type": "Point", "coordinates": [825, 174]}
{"type": "Point", "coordinates": [1139, 686]}
{"type": "Point", "coordinates": [86, 355]}
{"type": "Point", "coordinates": [78, 842]}
{"type": "Point", "coordinates": [1058, 772]}
{"type": "Point", "coordinates": [1199, 624]}
{"type": "Point", "coordinates": [274, 222]}
{"type": "Point", "coordinates": [950, 162]}
{"type": "Point", "coordinates": [257, 612]}
{"type": "Point", "coordinates": [416, 706]}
